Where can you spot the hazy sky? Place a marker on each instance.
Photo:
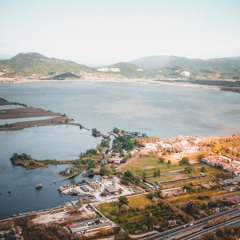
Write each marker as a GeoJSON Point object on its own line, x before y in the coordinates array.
{"type": "Point", "coordinates": [106, 31]}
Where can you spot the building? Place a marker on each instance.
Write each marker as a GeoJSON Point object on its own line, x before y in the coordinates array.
{"type": "Point", "coordinates": [111, 189]}
{"type": "Point", "coordinates": [116, 160]}
{"type": "Point", "coordinates": [221, 162]}
{"type": "Point", "coordinates": [89, 225]}
{"type": "Point", "coordinates": [85, 188]}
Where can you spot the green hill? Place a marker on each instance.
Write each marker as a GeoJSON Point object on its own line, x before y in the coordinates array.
{"type": "Point", "coordinates": [127, 69]}
{"type": "Point", "coordinates": [173, 66]}
{"type": "Point", "coordinates": [35, 65]}
{"type": "Point", "coordinates": [28, 64]}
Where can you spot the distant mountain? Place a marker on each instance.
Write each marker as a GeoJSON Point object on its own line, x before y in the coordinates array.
{"type": "Point", "coordinates": [154, 62]}
{"type": "Point", "coordinates": [127, 69]}
{"type": "Point", "coordinates": [32, 64]}
{"type": "Point", "coordinates": [172, 65]}
{"type": "Point", "coordinates": [35, 65]}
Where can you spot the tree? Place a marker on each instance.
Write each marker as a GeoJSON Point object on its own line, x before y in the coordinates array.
{"type": "Point", "coordinates": [203, 169]}
{"type": "Point", "coordinates": [208, 236]}
{"type": "Point", "coordinates": [151, 220]}
{"type": "Point", "coordinates": [105, 143]}
{"type": "Point", "coordinates": [91, 151]}
{"type": "Point", "coordinates": [189, 169]}
{"type": "Point", "coordinates": [184, 161]}
{"type": "Point", "coordinates": [123, 200]}
{"type": "Point", "coordinates": [123, 143]}
{"type": "Point", "coordinates": [116, 130]}
{"type": "Point", "coordinates": [144, 228]}
{"type": "Point", "coordinates": [124, 208]}
{"type": "Point", "coordinates": [161, 160]}
{"type": "Point", "coordinates": [144, 175]}
{"type": "Point", "coordinates": [169, 163]}
{"type": "Point", "coordinates": [104, 171]}
{"type": "Point", "coordinates": [193, 207]}
{"type": "Point", "coordinates": [91, 163]}
{"type": "Point", "coordinates": [156, 173]}
{"type": "Point", "coordinates": [73, 182]}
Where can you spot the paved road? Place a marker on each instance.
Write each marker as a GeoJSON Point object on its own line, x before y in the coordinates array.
{"type": "Point", "coordinates": [182, 230]}
{"type": "Point", "coordinates": [235, 221]}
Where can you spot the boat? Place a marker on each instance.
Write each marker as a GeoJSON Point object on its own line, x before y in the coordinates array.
{"type": "Point", "coordinates": [38, 186]}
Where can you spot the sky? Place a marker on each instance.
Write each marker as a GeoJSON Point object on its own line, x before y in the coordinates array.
{"type": "Point", "coordinates": [109, 31]}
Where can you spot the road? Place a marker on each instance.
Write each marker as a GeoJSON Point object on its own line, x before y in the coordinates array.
{"type": "Point", "coordinates": [193, 227]}
{"type": "Point", "coordinates": [235, 221]}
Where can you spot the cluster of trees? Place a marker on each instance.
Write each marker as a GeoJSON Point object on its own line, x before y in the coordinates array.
{"type": "Point", "coordinates": [122, 143]}
{"type": "Point", "coordinates": [217, 221]}
{"type": "Point", "coordinates": [106, 171]}
{"type": "Point", "coordinates": [157, 173]}
{"type": "Point", "coordinates": [159, 215]}
{"type": "Point", "coordinates": [23, 156]}
{"type": "Point", "coordinates": [189, 169]}
{"type": "Point", "coordinates": [155, 194]}
{"type": "Point", "coordinates": [184, 161]}
{"type": "Point", "coordinates": [105, 143]}
{"type": "Point", "coordinates": [128, 177]}
{"type": "Point", "coordinates": [91, 151]}
{"type": "Point", "coordinates": [189, 188]}
{"type": "Point", "coordinates": [223, 233]}
{"type": "Point", "coordinates": [120, 206]}
{"type": "Point", "coordinates": [161, 160]}
{"type": "Point", "coordinates": [194, 207]}
{"type": "Point", "coordinates": [225, 175]}
{"type": "Point", "coordinates": [229, 146]}
{"type": "Point", "coordinates": [40, 232]}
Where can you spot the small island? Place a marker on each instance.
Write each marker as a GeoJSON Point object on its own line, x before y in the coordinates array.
{"type": "Point", "coordinates": [28, 162]}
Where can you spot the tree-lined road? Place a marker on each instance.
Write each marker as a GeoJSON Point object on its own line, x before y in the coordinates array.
{"type": "Point", "coordinates": [197, 226]}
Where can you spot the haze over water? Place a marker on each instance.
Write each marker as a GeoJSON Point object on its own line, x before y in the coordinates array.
{"type": "Point", "coordinates": [159, 110]}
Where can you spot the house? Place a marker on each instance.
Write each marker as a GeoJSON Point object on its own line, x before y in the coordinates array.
{"type": "Point", "coordinates": [116, 160]}
{"type": "Point", "coordinates": [111, 189]}
{"type": "Point", "coordinates": [85, 188]}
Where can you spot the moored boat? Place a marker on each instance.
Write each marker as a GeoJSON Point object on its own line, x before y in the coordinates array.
{"type": "Point", "coordinates": [38, 186]}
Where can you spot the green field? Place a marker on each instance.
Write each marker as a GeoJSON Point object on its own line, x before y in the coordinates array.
{"type": "Point", "coordinates": [139, 200]}
{"type": "Point", "coordinates": [149, 164]}
{"type": "Point", "coordinates": [210, 174]}
{"type": "Point", "coordinates": [134, 219]}
{"type": "Point", "coordinates": [134, 202]}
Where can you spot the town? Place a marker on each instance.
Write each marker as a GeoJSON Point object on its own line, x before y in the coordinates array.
{"type": "Point", "coordinates": [143, 188]}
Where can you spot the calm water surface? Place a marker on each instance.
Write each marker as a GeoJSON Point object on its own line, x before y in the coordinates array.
{"type": "Point", "coordinates": [158, 110]}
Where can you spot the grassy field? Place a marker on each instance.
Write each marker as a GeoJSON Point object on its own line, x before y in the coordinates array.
{"type": "Point", "coordinates": [139, 200]}
{"type": "Point", "coordinates": [193, 196]}
{"type": "Point", "coordinates": [149, 164]}
{"type": "Point", "coordinates": [134, 202]}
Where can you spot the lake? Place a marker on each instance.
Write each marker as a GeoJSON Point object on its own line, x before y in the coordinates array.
{"type": "Point", "coordinates": [158, 110]}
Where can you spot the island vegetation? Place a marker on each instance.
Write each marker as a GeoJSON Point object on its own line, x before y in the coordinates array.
{"type": "Point", "coordinates": [28, 162]}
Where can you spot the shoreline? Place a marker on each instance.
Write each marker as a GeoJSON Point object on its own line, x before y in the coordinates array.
{"type": "Point", "coordinates": [111, 80]}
